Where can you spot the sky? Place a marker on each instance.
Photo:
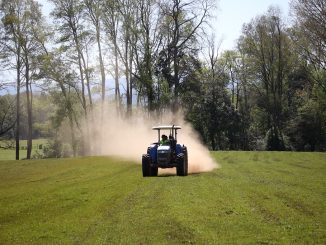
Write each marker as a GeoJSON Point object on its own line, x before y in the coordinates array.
{"type": "Point", "coordinates": [232, 14]}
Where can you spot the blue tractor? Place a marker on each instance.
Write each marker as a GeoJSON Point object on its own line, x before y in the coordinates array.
{"type": "Point", "coordinates": [165, 153]}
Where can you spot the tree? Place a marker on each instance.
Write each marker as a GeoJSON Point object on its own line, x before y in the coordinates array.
{"type": "Point", "coordinates": [182, 22]}
{"type": "Point", "coordinates": [127, 12]}
{"type": "Point", "coordinates": [111, 23]}
{"type": "Point", "coordinates": [208, 102]}
{"type": "Point", "coordinates": [24, 35]}
{"type": "Point", "coordinates": [145, 51]}
{"type": "Point", "coordinates": [309, 34]}
{"type": "Point", "coordinates": [230, 58]}
{"type": "Point", "coordinates": [94, 11]}
{"type": "Point", "coordinates": [32, 42]}
{"type": "Point", "coordinates": [55, 69]}
{"type": "Point", "coordinates": [7, 114]}
{"type": "Point", "coordinates": [11, 47]}
{"type": "Point", "coordinates": [267, 47]}
{"type": "Point", "coordinates": [73, 35]}
{"type": "Point", "coordinates": [307, 131]}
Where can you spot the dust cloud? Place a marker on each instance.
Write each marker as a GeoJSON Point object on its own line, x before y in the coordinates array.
{"type": "Point", "coordinates": [114, 135]}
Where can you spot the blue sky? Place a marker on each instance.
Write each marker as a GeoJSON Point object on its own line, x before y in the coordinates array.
{"type": "Point", "coordinates": [232, 14]}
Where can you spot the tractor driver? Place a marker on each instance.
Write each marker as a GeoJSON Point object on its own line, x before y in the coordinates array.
{"type": "Point", "coordinates": [164, 140]}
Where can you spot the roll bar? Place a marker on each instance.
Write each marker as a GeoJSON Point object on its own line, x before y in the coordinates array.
{"type": "Point", "coordinates": [173, 130]}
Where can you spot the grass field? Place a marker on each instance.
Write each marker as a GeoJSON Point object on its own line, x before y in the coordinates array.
{"type": "Point", "coordinates": [10, 154]}
{"type": "Point", "coordinates": [255, 198]}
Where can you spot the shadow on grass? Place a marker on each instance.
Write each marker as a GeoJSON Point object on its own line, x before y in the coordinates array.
{"type": "Point", "coordinates": [175, 175]}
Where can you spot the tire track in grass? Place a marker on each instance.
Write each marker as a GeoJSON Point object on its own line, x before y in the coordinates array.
{"type": "Point", "coordinates": [145, 216]}
{"type": "Point", "coordinates": [57, 199]}
{"type": "Point", "coordinates": [54, 192]}
{"type": "Point", "coordinates": [125, 185]}
{"type": "Point", "coordinates": [144, 207]}
{"type": "Point", "coordinates": [295, 204]}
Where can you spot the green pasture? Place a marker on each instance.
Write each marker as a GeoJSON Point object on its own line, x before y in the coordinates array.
{"type": "Point", "coordinates": [254, 198]}
{"type": "Point", "coordinates": [10, 154]}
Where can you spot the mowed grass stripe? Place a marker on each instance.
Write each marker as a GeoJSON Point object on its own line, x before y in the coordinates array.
{"type": "Point", "coordinates": [64, 199]}
{"type": "Point", "coordinates": [286, 190]}
{"type": "Point", "coordinates": [256, 197]}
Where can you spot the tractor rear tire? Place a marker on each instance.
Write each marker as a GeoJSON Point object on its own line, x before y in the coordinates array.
{"type": "Point", "coordinates": [182, 168]}
{"type": "Point", "coordinates": [185, 153]}
{"type": "Point", "coordinates": [146, 165]}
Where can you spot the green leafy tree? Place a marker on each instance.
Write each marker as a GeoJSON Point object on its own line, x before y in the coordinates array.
{"type": "Point", "coordinates": [65, 94]}
{"type": "Point", "coordinates": [309, 34]}
{"type": "Point", "coordinates": [208, 102]}
{"type": "Point", "coordinates": [74, 37]}
{"type": "Point", "coordinates": [7, 114]}
{"type": "Point", "coordinates": [24, 38]}
{"type": "Point", "coordinates": [11, 13]}
{"type": "Point", "coordinates": [267, 47]}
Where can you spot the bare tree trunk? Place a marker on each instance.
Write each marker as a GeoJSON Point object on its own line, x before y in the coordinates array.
{"type": "Point", "coordinates": [70, 116]}
{"type": "Point", "coordinates": [127, 72]}
{"type": "Point", "coordinates": [73, 139]}
{"type": "Point", "coordinates": [237, 97]}
{"type": "Point", "coordinates": [130, 78]}
{"type": "Point", "coordinates": [18, 107]}
{"type": "Point", "coordinates": [94, 12]}
{"type": "Point", "coordinates": [82, 84]}
{"type": "Point", "coordinates": [83, 101]}
{"type": "Point", "coordinates": [29, 109]}
{"type": "Point", "coordinates": [88, 85]}
{"type": "Point", "coordinates": [176, 79]}
{"type": "Point", "coordinates": [233, 82]}
{"type": "Point", "coordinates": [116, 77]}
{"type": "Point", "coordinates": [98, 39]}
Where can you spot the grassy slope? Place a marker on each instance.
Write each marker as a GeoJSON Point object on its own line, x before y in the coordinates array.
{"type": "Point", "coordinates": [256, 197]}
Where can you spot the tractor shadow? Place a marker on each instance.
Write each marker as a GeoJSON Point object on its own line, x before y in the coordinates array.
{"type": "Point", "coordinates": [175, 175]}
{"type": "Point", "coordinates": [167, 175]}
{"type": "Point", "coordinates": [172, 172]}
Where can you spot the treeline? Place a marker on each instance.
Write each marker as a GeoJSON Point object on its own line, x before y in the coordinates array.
{"type": "Point", "coordinates": [267, 93]}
